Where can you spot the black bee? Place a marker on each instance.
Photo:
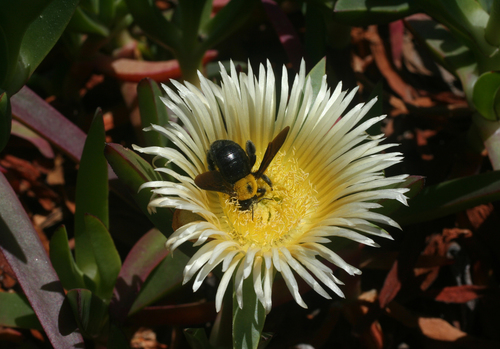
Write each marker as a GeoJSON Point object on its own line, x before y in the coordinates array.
{"type": "Point", "coordinates": [231, 169]}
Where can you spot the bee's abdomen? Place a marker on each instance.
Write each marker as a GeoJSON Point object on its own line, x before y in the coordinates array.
{"type": "Point", "coordinates": [229, 159]}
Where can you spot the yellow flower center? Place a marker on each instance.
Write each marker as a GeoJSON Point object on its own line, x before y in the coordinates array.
{"type": "Point", "coordinates": [278, 217]}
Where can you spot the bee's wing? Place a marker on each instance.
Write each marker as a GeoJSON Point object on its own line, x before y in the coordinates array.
{"type": "Point", "coordinates": [213, 180]}
{"type": "Point", "coordinates": [271, 151]}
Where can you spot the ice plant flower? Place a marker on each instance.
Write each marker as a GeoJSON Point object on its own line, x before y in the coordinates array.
{"type": "Point", "coordinates": [327, 177]}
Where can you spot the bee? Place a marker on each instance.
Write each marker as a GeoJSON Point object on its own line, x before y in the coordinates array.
{"type": "Point", "coordinates": [230, 170]}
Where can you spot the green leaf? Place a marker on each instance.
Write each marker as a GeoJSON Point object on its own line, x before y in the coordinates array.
{"type": "Point", "coordinates": [16, 311]}
{"type": "Point", "coordinates": [316, 75]}
{"type": "Point", "coordinates": [249, 321]}
{"type": "Point", "coordinates": [91, 6]}
{"type": "Point", "coordinates": [232, 16]}
{"type": "Point", "coordinates": [5, 119]}
{"type": "Point", "coordinates": [163, 280]}
{"type": "Point", "coordinates": [465, 19]}
{"type": "Point", "coordinates": [220, 337]}
{"type": "Point", "coordinates": [15, 18]}
{"type": "Point", "coordinates": [486, 4]}
{"type": "Point", "coordinates": [486, 95]}
{"type": "Point", "coordinates": [492, 30]}
{"type": "Point", "coordinates": [63, 262]}
{"type": "Point", "coordinates": [197, 338]}
{"type": "Point", "coordinates": [34, 138]}
{"type": "Point", "coordinates": [445, 47]}
{"type": "Point", "coordinates": [91, 194]}
{"type": "Point", "coordinates": [52, 22]}
{"type": "Point", "coordinates": [486, 133]}
{"type": "Point", "coordinates": [133, 171]}
{"type": "Point", "coordinates": [34, 112]}
{"type": "Point", "coordinates": [83, 23]}
{"type": "Point", "coordinates": [451, 197]}
{"type": "Point", "coordinates": [142, 259]}
{"type": "Point", "coordinates": [23, 251]}
{"type": "Point", "coordinates": [362, 12]}
{"type": "Point", "coordinates": [154, 24]}
{"type": "Point", "coordinates": [107, 11]}
{"type": "Point", "coordinates": [106, 256]}
{"type": "Point", "coordinates": [206, 13]}
{"type": "Point", "coordinates": [153, 111]}
{"type": "Point", "coordinates": [90, 311]}
{"type": "Point", "coordinates": [31, 36]}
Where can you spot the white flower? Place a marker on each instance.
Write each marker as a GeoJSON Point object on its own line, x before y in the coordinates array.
{"type": "Point", "coordinates": [326, 178]}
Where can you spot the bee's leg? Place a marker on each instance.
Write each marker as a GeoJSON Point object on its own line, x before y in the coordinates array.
{"type": "Point", "coordinates": [261, 192]}
{"type": "Point", "coordinates": [251, 150]}
{"type": "Point", "coordinates": [267, 180]}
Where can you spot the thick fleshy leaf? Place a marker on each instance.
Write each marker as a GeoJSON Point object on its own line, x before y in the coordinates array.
{"type": "Point", "coordinates": [91, 194]}
{"type": "Point", "coordinates": [32, 111]}
{"type": "Point", "coordinates": [450, 197]}
{"type": "Point", "coordinates": [163, 280]}
{"type": "Point", "coordinates": [146, 254]}
{"type": "Point", "coordinates": [465, 19]}
{"type": "Point", "coordinates": [249, 321]}
{"type": "Point", "coordinates": [22, 131]}
{"type": "Point", "coordinates": [127, 69]}
{"type": "Point", "coordinates": [107, 259]}
{"type": "Point", "coordinates": [107, 10]}
{"type": "Point", "coordinates": [486, 95]}
{"type": "Point", "coordinates": [133, 171]}
{"type": "Point", "coordinates": [226, 21]}
{"type": "Point", "coordinates": [316, 75]}
{"type": "Point", "coordinates": [488, 131]}
{"type": "Point", "coordinates": [446, 48]}
{"type": "Point", "coordinates": [5, 119]}
{"type": "Point", "coordinates": [362, 12]}
{"type": "Point", "coordinates": [81, 22]}
{"type": "Point", "coordinates": [154, 24]}
{"type": "Point", "coordinates": [15, 311]}
{"type": "Point", "coordinates": [25, 254]}
{"type": "Point", "coordinates": [51, 22]}
{"type": "Point", "coordinates": [153, 111]}
{"type": "Point", "coordinates": [62, 259]}
{"type": "Point", "coordinates": [492, 30]}
{"type": "Point", "coordinates": [14, 22]}
{"type": "Point", "coordinates": [26, 46]}
{"type": "Point", "coordinates": [90, 311]}
{"type": "Point", "coordinates": [197, 338]}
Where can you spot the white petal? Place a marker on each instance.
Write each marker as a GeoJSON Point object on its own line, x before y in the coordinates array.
{"type": "Point", "coordinates": [224, 282]}
{"type": "Point", "coordinates": [291, 283]}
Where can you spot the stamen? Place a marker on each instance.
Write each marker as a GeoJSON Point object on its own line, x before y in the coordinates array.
{"type": "Point", "coordinates": [280, 216]}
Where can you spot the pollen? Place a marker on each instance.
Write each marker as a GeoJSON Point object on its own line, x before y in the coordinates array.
{"type": "Point", "coordinates": [281, 216]}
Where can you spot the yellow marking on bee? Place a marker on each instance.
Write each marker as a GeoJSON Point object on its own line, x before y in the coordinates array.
{"type": "Point", "coordinates": [246, 188]}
